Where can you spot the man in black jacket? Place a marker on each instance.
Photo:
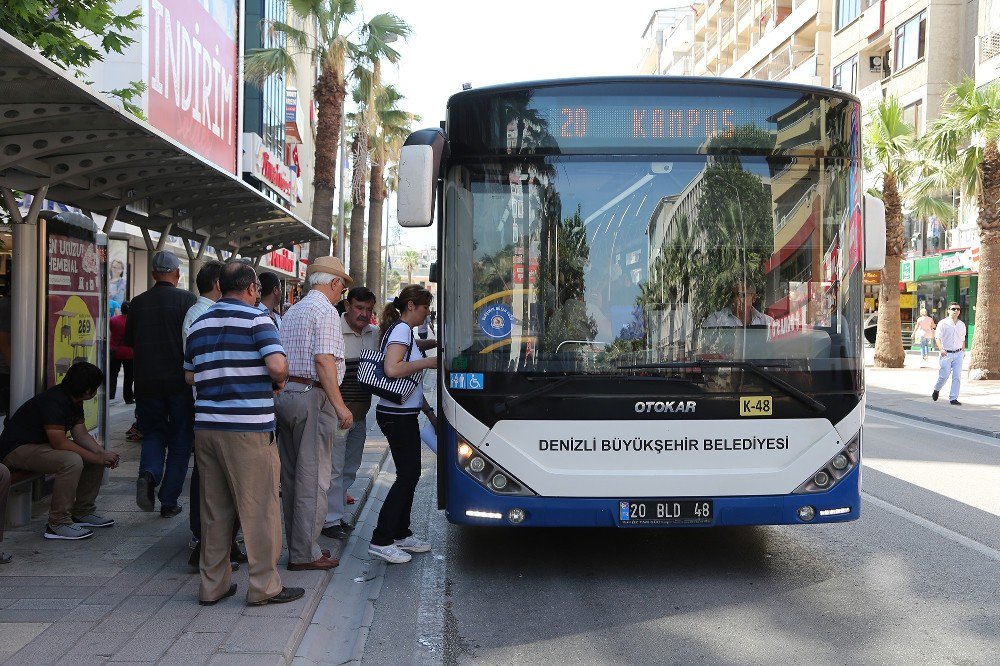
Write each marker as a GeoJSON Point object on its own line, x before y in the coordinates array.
{"type": "Point", "coordinates": [164, 405]}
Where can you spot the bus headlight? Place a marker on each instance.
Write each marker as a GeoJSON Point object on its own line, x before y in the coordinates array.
{"type": "Point", "coordinates": [837, 468]}
{"type": "Point", "coordinates": [487, 473]}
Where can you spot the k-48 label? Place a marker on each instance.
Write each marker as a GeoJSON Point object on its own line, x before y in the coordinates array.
{"type": "Point", "coordinates": [756, 405]}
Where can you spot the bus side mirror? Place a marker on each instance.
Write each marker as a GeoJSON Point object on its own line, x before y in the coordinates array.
{"type": "Point", "coordinates": [419, 165]}
{"type": "Point", "coordinates": [415, 196]}
{"type": "Point", "coordinates": [432, 272]}
{"type": "Point", "coordinates": [874, 233]}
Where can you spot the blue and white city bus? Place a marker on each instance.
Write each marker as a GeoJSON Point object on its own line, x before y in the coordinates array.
{"type": "Point", "coordinates": [650, 301]}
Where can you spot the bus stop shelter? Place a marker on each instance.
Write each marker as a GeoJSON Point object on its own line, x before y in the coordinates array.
{"type": "Point", "coordinates": [61, 141]}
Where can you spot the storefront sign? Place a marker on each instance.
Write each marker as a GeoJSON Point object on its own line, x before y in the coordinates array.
{"type": "Point", "coordinates": [281, 260]}
{"type": "Point", "coordinates": [908, 301]}
{"type": "Point", "coordinates": [266, 167]}
{"type": "Point", "coordinates": [192, 69]}
{"type": "Point", "coordinates": [967, 260]}
{"type": "Point", "coordinates": [873, 277]}
{"type": "Point", "coordinates": [906, 270]}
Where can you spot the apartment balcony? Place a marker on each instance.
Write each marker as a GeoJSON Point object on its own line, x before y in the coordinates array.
{"type": "Point", "coordinates": [698, 66]}
{"type": "Point", "coordinates": [727, 32]}
{"type": "Point", "coordinates": [987, 58]}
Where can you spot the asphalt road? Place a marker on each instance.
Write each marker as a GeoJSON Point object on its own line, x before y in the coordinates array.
{"type": "Point", "coordinates": [915, 580]}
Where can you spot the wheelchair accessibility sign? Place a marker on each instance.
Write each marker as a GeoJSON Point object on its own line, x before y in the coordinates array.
{"type": "Point", "coordinates": [469, 381]}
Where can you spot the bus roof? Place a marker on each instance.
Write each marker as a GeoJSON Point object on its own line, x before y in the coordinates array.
{"type": "Point", "coordinates": [697, 80]}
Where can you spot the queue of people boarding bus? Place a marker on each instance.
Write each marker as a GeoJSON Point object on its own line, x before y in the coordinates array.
{"type": "Point", "coordinates": [265, 399]}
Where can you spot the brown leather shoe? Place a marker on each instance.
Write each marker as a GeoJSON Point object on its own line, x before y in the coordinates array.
{"type": "Point", "coordinates": [324, 563]}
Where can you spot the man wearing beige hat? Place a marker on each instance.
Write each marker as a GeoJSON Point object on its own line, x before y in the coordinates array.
{"type": "Point", "coordinates": [311, 410]}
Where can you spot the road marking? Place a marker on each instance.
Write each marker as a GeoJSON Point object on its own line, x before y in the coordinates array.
{"type": "Point", "coordinates": [960, 539]}
{"type": "Point", "coordinates": [430, 612]}
{"type": "Point", "coordinates": [930, 427]}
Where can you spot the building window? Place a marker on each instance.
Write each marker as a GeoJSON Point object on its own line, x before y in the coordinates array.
{"type": "Point", "coordinates": [845, 75]}
{"type": "Point", "coordinates": [847, 11]}
{"type": "Point", "coordinates": [910, 40]}
{"type": "Point", "coordinates": [914, 114]}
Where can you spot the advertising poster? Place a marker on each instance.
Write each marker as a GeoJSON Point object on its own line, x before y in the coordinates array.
{"type": "Point", "coordinates": [118, 271]}
{"type": "Point", "coordinates": [74, 312]}
{"type": "Point", "coordinates": [193, 75]}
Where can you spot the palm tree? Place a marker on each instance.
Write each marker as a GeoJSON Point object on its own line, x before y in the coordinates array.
{"type": "Point", "coordinates": [329, 49]}
{"type": "Point", "coordinates": [391, 128]}
{"type": "Point", "coordinates": [888, 150]}
{"type": "Point", "coordinates": [966, 134]}
{"type": "Point", "coordinates": [409, 260]}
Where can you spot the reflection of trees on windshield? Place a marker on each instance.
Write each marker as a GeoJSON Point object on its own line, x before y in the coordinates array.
{"type": "Point", "coordinates": [565, 254]}
{"type": "Point", "coordinates": [735, 220]}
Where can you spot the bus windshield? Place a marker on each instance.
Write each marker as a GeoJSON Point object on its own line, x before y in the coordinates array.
{"type": "Point", "coordinates": [593, 264]}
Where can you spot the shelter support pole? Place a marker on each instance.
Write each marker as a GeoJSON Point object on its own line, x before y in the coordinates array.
{"type": "Point", "coordinates": [27, 304]}
{"type": "Point", "coordinates": [110, 220]}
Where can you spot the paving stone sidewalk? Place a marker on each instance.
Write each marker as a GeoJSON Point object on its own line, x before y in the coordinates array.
{"type": "Point", "coordinates": [906, 392]}
{"type": "Point", "coordinates": [127, 594]}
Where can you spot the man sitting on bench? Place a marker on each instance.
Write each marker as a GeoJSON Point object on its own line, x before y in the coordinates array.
{"type": "Point", "coordinates": [35, 440]}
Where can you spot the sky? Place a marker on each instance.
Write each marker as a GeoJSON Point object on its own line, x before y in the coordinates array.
{"type": "Point", "coordinates": [485, 43]}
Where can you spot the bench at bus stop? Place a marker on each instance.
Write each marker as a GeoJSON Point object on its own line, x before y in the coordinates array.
{"type": "Point", "coordinates": [26, 487]}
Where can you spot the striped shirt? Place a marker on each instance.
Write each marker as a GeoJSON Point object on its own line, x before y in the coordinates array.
{"type": "Point", "coordinates": [226, 348]}
{"type": "Point", "coordinates": [312, 327]}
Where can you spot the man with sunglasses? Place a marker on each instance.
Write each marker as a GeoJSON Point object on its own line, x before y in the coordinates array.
{"type": "Point", "coordinates": [950, 339]}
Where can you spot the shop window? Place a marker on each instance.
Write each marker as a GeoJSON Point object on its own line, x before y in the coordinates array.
{"type": "Point", "coordinates": [910, 40]}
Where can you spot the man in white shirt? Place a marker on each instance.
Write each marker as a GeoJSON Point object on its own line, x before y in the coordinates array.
{"type": "Point", "coordinates": [950, 340]}
{"type": "Point", "coordinates": [741, 312]}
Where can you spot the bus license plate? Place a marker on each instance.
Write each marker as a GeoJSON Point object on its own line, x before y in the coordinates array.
{"type": "Point", "coordinates": [665, 512]}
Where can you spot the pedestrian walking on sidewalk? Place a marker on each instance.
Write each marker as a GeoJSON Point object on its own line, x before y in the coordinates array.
{"type": "Point", "coordinates": [393, 541]}
{"type": "Point", "coordinates": [310, 412]}
{"type": "Point", "coordinates": [164, 406]}
{"type": "Point", "coordinates": [359, 334]}
{"type": "Point", "coordinates": [35, 440]}
{"type": "Point", "coordinates": [235, 360]}
{"type": "Point", "coordinates": [950, 339]}
{"type": "Point", "coordinates": [924, 332]}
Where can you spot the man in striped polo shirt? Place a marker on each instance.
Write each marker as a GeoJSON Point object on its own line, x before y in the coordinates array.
{"type": "Point", "coordinates": [235, 359]}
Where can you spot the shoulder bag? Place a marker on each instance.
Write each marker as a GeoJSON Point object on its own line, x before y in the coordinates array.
{"type": "Point", "coordinates": [371, 372]}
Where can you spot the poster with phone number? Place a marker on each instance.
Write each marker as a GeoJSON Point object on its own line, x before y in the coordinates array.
{"type": "Point", "coordinates": [74, 312]}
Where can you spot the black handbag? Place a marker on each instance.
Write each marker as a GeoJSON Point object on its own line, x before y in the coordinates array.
{"type": "Point", "coordinates": [371, 372]}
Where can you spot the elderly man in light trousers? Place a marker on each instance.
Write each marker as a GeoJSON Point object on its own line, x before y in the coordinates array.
{"type": "Point", "coordinates": [311, 411]}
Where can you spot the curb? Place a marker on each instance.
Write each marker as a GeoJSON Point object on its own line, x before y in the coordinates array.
{"type": "Point", "coordinates": [306, 619]}
{"type": "Point", "coordinates": [944, 424]}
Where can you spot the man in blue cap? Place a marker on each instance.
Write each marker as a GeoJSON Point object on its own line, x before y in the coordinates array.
{"type": "Point", "coordinates": [164, 406]}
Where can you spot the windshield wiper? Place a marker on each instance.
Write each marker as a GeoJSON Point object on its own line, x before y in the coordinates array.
{"type": "Point", "coordinates": [554, 383]}
{"type": "Point", "coordinates": [793, 391]}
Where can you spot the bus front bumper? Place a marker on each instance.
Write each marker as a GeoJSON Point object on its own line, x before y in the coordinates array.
{"type": "Point", "coordinates": [470, 504]}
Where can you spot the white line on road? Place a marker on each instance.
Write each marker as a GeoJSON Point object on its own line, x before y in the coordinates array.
{"type": "Point", "coordinates": [930, 427]}
{"type": "Point", "coordinates": [430, 613]}
{"type": "Point", "coordinates": [980, 548]}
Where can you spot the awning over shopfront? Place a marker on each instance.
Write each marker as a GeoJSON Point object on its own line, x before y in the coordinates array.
{"type": "Point", "coordinates": [61, 141]}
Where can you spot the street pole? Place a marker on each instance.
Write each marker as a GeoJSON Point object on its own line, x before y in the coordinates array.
{"type": "Point", "coordinates": [340, 167]}
{"type": "Point", "coordinates": [385, 263]}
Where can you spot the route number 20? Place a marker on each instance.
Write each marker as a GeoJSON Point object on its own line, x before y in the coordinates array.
{"type": "Point", "coordinates": [574, 123]}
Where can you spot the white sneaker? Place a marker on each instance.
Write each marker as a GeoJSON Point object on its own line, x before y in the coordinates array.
{"type": "Point", "coordinates": [412, 544]}
{"type": "Point", "coordinates": [390, 553]}
{"type": "Point", "coordinates": [71, 532]}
